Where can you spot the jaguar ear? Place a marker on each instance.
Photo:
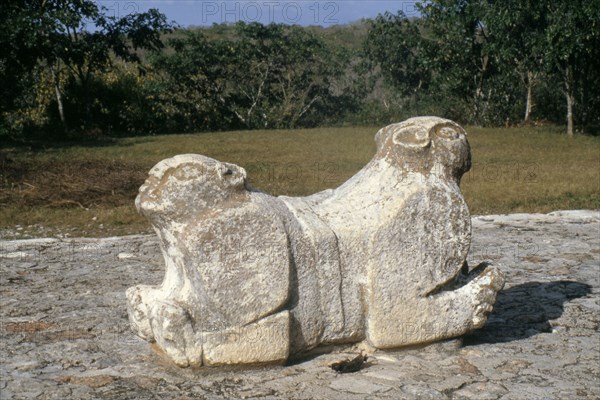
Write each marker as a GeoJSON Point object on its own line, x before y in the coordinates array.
{"type": "Point", "coordinates": [233, 175]}
{"type": "Point", "coordinates": [448, 130]}
{"type": "Point", "coordinates": [412, 136]}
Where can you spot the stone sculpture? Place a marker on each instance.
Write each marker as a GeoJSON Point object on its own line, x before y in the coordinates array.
{"type": "Point", "coordinates": [252, 278]}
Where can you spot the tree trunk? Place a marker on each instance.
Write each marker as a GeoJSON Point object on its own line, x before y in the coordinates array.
{"type": "Point", "coordinates": [59, 101]}
{"type": "Point", "coordinates": [570, 99]}
{"type": "Point", "coordinates": [84, 81]}
{"type": "Point", "coordinates": [416, 98]}
{"type": "Point", "coordinates": [88, 107]}
{"type": "Point", "coordinates": [529, 101]}
{"type": "Point", "coordinates": [480, 100]}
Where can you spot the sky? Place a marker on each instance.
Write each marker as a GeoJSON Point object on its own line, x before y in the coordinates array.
{"type": "Point", "coordinates": [311, 12]}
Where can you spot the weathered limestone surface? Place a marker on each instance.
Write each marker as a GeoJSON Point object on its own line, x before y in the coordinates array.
{"type": "Point", "coordinates": [381, 258]}
{"type": "Point", "coordinates": [64, 329]}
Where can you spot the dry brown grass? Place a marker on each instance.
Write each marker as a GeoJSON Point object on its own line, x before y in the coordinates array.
{"type": "Point", "coordinates": [89, 190]}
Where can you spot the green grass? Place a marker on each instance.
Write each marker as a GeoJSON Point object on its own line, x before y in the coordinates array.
{"type": "Point", "coordinates": [89, 190]}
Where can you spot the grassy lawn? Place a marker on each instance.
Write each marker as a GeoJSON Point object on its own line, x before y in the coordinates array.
{"type": "Point", "coordinates": [89, 190]}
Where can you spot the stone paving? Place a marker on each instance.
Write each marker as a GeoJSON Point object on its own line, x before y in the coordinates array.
{"type": "Point", "coordinates": [64, 331]}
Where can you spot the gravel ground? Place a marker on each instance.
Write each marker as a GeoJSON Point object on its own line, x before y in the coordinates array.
{"type": "Point", "coordinates": [64, 330]}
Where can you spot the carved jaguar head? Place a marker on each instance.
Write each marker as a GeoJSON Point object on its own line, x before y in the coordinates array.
{"type": "Point", "coordinates": [426, 145]}
{"type": "Point", "coordinates": [187, 184]}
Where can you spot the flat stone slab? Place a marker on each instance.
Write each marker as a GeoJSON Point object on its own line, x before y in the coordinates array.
{"type": "Point", "coordinates": [64, 331]}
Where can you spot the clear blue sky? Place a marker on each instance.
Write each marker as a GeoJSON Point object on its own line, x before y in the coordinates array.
{"type": "Point", "coordinates": [204, 12]}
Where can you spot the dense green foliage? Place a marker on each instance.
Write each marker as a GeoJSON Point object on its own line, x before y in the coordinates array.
{"type": "Point", "coordinates": [475, 61]}
{"type": "Point", "coordinates": [272, 76]}
{"type": "Point", "coordinates": [48, 55]}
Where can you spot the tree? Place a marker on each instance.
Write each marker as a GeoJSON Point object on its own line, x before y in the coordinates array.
{"type": "Point", "coordinates": [263, 76]}
{"type": "Point", "coordinates": [194, 76]}
{"type": "Point", "coordinates": [394, 43]}
{"type": "Point", "coordinates": [518, 29]}
{"type": "Point", "coordinates": [457, 43]}
{"type": "Point", "coordinates": [279, 74]}
{"type": "Point", "coordinates": [54, 33]}
{"type": "Point", "coordinates": [18, 52]}
{"type": "Point", "coordinates": [572, 47]}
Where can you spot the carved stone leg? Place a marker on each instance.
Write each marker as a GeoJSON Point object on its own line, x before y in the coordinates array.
{"type": "Point", "coordinates": [439, 316]}
{"type": "Point", "coordinates": [264, 341]}
{"type": "Point", "coordinates": [160, 320]}
{"type": "Point", "coordinates": [173, 331]}
{"type": "Point", "coordinates": [137, 308]}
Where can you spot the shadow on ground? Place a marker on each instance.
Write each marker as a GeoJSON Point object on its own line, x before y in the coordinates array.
{"type": "Point", "coordinates": [525, 310]}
